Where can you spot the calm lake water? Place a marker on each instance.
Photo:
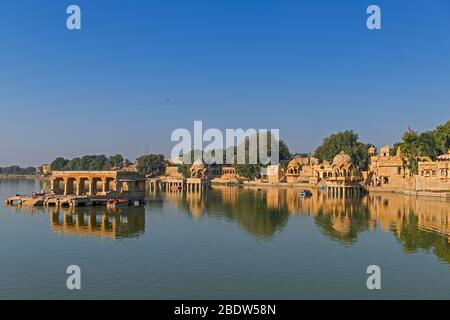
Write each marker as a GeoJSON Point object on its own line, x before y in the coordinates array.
{"type": "Point", "coordinates": [229, 243]}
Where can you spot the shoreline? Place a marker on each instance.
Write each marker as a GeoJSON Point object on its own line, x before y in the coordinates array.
{"type": "Point", "coordinates": [421, 193]}
{"type": "Point", "coordinates": [442, 194]}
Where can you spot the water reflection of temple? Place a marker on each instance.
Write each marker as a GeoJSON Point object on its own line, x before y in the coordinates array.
{"type": "Point", "coordinates": [105, 223]}
{"type": "Point", "coordinates": [394, 211]}
{"type": "Point", "coordinates": [248, 209]}
{"type": "Point", "coordinates": [416, 222]}
{"type": "Point", "coordinates": [94, 222]}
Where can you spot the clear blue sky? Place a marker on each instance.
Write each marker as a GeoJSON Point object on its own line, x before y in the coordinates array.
{"type": "Point", "coordinates": [139, 69]}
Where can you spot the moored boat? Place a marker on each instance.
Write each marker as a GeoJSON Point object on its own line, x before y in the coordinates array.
{"type": "Point", "coordinates": [118, 203]}
{"type": "Point", "coordinates": [305, 193]}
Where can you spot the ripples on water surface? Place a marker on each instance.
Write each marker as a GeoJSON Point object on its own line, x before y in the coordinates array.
{"type": "Point", "coordinates": [227, 243]}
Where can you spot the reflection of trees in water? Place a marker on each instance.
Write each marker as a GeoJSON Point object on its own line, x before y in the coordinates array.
{"type": "Point", "coordinates": [252, 214]}
{"type": "Point", "coordinates": [413, 238]}
{"type": "Point", "coordinates": [262, 213]}
{"type": "Point", "coordinates": [134, 225]}
{"type": "Point", "coordinates": [248, 209]}
{"type": "Point", "coordinates": [343, 222]}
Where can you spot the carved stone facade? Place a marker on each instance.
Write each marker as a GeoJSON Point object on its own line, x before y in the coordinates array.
{"type": "Point", "coordinates": [386, 170]}
{"type": "Point", "coordinates": [392, 173]}
{"type": "Point", "coordinates": [434, 175]}
{"type": "Point", "coordinates": [98, 183]}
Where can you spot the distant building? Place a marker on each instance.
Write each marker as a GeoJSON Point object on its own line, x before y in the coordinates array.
{"type": "Point", "coordinates": [128, 167]}
{"type": "Point", "coordinates": [310, 170]}
{"type": "Point", "coordinates": [434, 175]}
{"type": "Point", "coordinates": [228, 175]}
{"type": "Point", "coordinates": [301, 169]}
{"type": "Point", "coordinates": [386, 170]}
{"type": "Point", "coordinates": [172, 170]}
{"type": "Point", "coordinates": [274, 173]}
{"type": "Point", "coordinates": [46, 169]}
{"type": "Point", "coordinates": [200, 169]}
{"type": "Point", "coordinates": [392, 172]}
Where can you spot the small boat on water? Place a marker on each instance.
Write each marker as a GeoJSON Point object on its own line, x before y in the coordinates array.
{"type": "Point", "coordinates": [305, 193]}
{"type": "Point", "coordinates": [113, 203]}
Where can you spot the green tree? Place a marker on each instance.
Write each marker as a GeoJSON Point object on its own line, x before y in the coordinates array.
{"type": "Point", "coordinates": [253, 170]}
{"type": "Point", "coordinates": [93, 162]}
{"type": "Point", "coordinates": [18, 170]}
{"type": "Point", "coordinates": [74, 164]}
{"type": "Point", "coordinates": [98, 163]}
{"type": "Point", "coordinates": [424, 144]}
{"type": "Point", "coordinates": [285, 154]}
{"type": "Point", "coordinates": [184, 169]}
{"type": "Point", "coordinates": [249, 171]}
{"type": "Point", "coordinates": [59, 164]}
{"type": "Point", "coordinates": [346, 141]}
{"type": "Point", "coordinates": [152, 164]}
{"type": "Point", "coordinates": [115, 161]}
{"type": "Point", "coordinates": [415, 145]}
{"type": "Point", "coordinates": [442, 137]}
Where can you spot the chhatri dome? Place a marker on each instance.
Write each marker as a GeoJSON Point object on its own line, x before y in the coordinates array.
{"type": "Point", "coordinates": [198, 164]}
{"type": "Point", "coordinates": [294, 163]}
{"type": "Point", "coordinates": [342, 158]}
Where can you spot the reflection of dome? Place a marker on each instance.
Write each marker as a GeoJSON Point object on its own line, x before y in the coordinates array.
{"type": "Point", "coordinates": [342, 158]}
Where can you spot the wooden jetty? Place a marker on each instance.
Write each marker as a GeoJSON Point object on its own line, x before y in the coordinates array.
{"type": "Point", "coordinates": [53, 200]}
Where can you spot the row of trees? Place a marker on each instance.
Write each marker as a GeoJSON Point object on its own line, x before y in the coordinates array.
{"type": "Point", "coordinates": [90, 162]}
{"type": "Point", "coordinates": [346, 141]}
{"type": "Point", "coordinates": [248, 170]}
{"type": "Point", "coordinates": [413, 145]}
{"type": "Point", "coordinates": [17, 170]}
{"type": "Point", "coordinates": [152, 164]}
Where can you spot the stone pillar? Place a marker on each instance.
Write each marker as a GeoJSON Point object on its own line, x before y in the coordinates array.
{"type": "Point", "coordinates": [104, 185]}
{"type": "Point", "coordinates": [79, 189]}
{"type": "Point", "coordinates": [91, 187]}
{"type": "Point", "coordinates": [66, 186]}
{"type": "Point", "coordinates": [54, 185]}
